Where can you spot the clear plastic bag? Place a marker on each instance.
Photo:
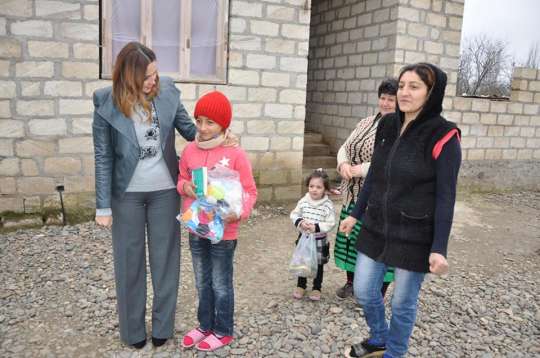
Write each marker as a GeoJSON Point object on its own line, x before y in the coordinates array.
{"type": "Point", "coordinates": [223, 195]}
{"type": "Point", "coordinates": [304, 259]}
{"type": "Point", "coordinates": [225, 190]}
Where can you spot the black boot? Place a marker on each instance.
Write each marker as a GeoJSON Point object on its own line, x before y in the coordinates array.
{"type": "Point", "coordinates": [139, 345]}
{"type": "Point", "coordinates": [158, 342]}
{"type": "Point", "coordinates": [365, 350]}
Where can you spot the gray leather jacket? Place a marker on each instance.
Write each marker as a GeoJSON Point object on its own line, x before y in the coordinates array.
{"type": "Point", "coordinates": [116, 148]}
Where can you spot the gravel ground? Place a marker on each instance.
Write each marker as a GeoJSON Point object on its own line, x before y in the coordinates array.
{"type": "Point", "coordinates": [58, 297]}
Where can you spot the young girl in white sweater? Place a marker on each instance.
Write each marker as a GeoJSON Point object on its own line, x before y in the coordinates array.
{"type": "Point", "coordinates": [314, 213]}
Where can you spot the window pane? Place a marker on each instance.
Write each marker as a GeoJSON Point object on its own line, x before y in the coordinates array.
{"type": "Point", "coordinates": [204, 37]}
{"type": "Point", "coordinates": [166, 34]}
{"type": "Point", "coordinates": [125, 24]}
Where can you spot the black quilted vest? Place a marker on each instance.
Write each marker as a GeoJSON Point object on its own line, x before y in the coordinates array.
{"type": "Point", "coordinates": [397, 225]}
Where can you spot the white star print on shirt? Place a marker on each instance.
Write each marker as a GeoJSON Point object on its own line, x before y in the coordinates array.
{"type": "Point", "coordinates": [224, 162]}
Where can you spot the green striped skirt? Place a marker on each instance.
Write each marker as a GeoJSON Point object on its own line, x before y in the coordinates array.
{"type": "Point", "coordinates": [345, 247]}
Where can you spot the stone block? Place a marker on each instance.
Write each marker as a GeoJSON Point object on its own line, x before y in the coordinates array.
{"type": "Point", "coordinates": [91, 12]}
{"type": "Point", "coordinates": [521, 96]}
{"type": "Point", "coordinates": [10, 48]}
{"type": "Point", "coordinates": [259, 94]}
{"type": "Point", "coordinates": [453, 8]}
{"type": "Point", "coordinates": [80, 70]}
{"type": "Point", "coordinates": [278, 110]}
{"type": "Point", "coordinates": [241, 42]}
{"type": "Point", "coordinates": [493, 154]}
{"type": "Point", "coordinates": [291, 160]}
{"type": "Point", "coordinates": [31, 148]}
{"type": "Point", "coordinates": [7, 185]}
{"type": "Point", "coordinates": [35, 108]}
{"type": "Point", "coordinates": [246, 9]}
{"type": "Point", "coordinates": [275, 79]}
{"type": "Point", "coordinates": [533, 109]}
{"type": "Point", "coordinates": [261, 61]}
{"type": "Point", "coordinates": [297, 32]}
{"type": "Point", "coordinates": [35, 185]}
{"type": "Point", "coordinates": [48, 49]}
{"type": "Point", "coordinates": [292, 96]}
{"type": "Point", "coordinates": [499, 107]}
{"type": "Point", "coordinates": [264, 28]}
{"type": "Point", "coordinates": [470, 118]}
{"type": "Point", "coordinates": [11, 128]}
{"type": "Point", "coordinates": [274, 176]}
{"type": "Point", "coordinates": [280, 143]}
{"type": "Point", "coordinates": [80, 31]}
{"type": "Point", "coordinates": [91, 87]}
{"type": "Point", "coordinates": [525, 154]}
{"type": "Point", "coordinates": [243, 78]}
{"type": "Point", "coordinates": [247, 110]}
{"type": "Point", "coordinates": [29, 168]}
{"type": "Point", "coordinates": [298, 143]}
{"type": "Point", "coordinates": [517, 142]}
{"type": "Point", "coordinates": [86, 51]}
{"type": "Point", "coordinates": [475, 154]}
{"type": "Point", "coordinates": [47, 127]}
{"type": "Point", "coordinates": [9, 166]}
{"type": "Point", "coordinates": [63, 89]}
{"type": "Point", "coordinates": [294, 64]}
{"type": "Point", "coordinates": [76, 106]}
{"type": "Point", "coordinates": [30, 88]}
{"type": "Point", "coordinates": [58, 9]}
{"type": "Point", "coordinates": [480, 105]}
{"type": "Point", "coordinates": [527, 132]}
{"type": "Point", "coordinates": [281, 13]}
{"type": "Point", "coordinates": [36, 28]}
{"type": "Point", "coordinates": [76, 145]}
{"type": "Point", "coordinates": [9, 203]}
{"type": "Point", "coordinates": [59, 166]}
{"type": "Point", "coordinates": [437, 20]}
{"type": "Point", "coordinates": [237, 25]}
{"type": "Point", "coordinates": [6, 148]}
{"type": "Point", "coordinates": [290, 127]}
{"type": "Point", "coordinates": [280, 45]}
{"type": "Point", "coordinates": [34, 69]}
{"type": "Point", "coordinates": [81, 126]}
{"type": "Point", "coordinates": [261, 126]}
{"type": "Point", "coordinates": [4, 68]}
{"type": "Point", "coordinates": [8, 89]}
{"type": "Point", "coordinates": [17, 8]}
{"type": "Point", "coordinates": [495, 131]}
{"type": "Point", "coordinates": [255, 143]}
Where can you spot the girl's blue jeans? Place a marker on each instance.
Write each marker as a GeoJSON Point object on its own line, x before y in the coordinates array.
{"type": "Point", "coordinates": [213, 269]}
{"type": "Point", "coordinates": [368, 280]}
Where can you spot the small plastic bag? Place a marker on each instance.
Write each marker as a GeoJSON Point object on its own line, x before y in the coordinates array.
{"type": "Point", "coordinates": [202, 220]}
{"type": "Point", "coordinates": [225, 190]}
{"type": "Point", "coordinates": [304, 259]}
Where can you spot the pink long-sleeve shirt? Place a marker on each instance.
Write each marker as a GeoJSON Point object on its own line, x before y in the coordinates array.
{"type": "Point", "coordinates": [235, 158]}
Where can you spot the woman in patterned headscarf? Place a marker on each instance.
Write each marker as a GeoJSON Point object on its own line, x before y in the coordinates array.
{"type": "Point", "coordinates": [354, 158]}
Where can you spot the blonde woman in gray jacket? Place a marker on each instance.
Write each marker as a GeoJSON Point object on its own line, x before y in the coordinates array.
{"type": "Point", "coordinates": [136, 172]}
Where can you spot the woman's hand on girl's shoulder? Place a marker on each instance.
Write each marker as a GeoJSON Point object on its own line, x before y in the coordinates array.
{"type": "Point", "coordinates": [230, 218]}
{"type": "Point", "coordinates": [231, 140]}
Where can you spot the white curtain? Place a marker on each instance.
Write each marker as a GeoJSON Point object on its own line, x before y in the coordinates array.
{"type": "Point", "coordinates": [204, 37]}
{"type": "Point", "coordinates": [166, 34]}
{"type": "Point", "coordinates": [125, 24]}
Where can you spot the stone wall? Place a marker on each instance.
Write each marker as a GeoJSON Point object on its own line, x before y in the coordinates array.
{"type": "Point", "coordinates": [501, 139]}
{"type": "Point", "coordinates": [49, 68]}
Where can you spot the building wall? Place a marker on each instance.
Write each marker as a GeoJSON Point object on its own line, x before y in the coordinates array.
{"type": "Point", "coordinates": [501, 139]}
{"type": "Point", "coordinates": [49, 65]}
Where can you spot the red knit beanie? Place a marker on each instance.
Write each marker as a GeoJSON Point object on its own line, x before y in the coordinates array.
{"type": "Point", "coordinates": [215, 106]}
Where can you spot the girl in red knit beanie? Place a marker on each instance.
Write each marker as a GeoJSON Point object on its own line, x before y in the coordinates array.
{"type": "Point", "coordinates": [213, 263]}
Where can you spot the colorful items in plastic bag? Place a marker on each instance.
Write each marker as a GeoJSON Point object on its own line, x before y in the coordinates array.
{"type": "Point", "coordinates": [201, 219]}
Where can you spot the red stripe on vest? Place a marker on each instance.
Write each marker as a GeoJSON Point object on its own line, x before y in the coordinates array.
{"type": "Point", "coordinates": [437, 149]}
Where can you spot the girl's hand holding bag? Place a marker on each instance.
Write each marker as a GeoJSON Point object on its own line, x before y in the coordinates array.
{"type": "Point", "coordinates": [304, 259]}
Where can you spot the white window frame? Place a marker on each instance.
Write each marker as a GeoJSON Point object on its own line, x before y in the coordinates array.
{"type": "Point", "coordinates": [185, 41]}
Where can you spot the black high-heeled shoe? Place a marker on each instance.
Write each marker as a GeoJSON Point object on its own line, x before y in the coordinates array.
{"type": "Point", "coordinates": [139, 345]}
{"type": "Point", "coordinates": [158, 342]}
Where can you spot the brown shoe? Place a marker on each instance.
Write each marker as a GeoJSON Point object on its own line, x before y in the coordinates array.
{"type": "Point", "coordinates": [315, 295]}
{"type": "Point", "coordinates": [298, 292]}
{"type": "Point", "coordinates": [345, 291]}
